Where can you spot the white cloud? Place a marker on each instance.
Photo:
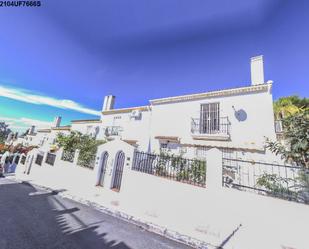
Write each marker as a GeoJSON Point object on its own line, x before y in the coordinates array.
{"type": "Point", "coordinates": [35, 122]}
{"type": "Point", "coordinates": [21, 124]}
{"type": "Point", "coordinates": [28, 97]}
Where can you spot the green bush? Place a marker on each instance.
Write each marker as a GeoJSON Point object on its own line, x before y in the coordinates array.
{"type": "Point", "coordinates": [86, 145]}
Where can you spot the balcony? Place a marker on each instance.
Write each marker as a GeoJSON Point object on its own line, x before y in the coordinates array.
{"type": "Point", "coordinates": [278, 126]}
{"type": "Point", "coordinates": [210, 129]}
{"type": "Point", "coordinates": [111, 131]}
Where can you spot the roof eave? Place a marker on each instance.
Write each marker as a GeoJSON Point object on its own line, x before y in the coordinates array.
{"type": "Point", "coordinates": [227, 92]}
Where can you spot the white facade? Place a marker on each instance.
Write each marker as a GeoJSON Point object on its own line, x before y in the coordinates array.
{"type": "Point", "coordinates": [238, 119]}
{"type": "Point", "coordinates": [132, 125]}
{"type": "Point", "coordinates": [89, 127]}
{"type": "Point", "coordinates": [43, 138]}
{"type": "Point", "coordinates": [244, 120]}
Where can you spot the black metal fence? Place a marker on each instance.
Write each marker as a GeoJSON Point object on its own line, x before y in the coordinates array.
{"type": "Point", "coordinates": [283, 181]}
{"type": "Point", "coordinates": [9, 159]}
{"type": "Point", "coordinates": [90, 164]}
{"type": "Point", "coordinates": [87, 161]}
{"type": "Point", "coordinates": [23, 159]}
{"type": "Point", "coordinates": [39, 159]}
{"type": "Point", "coordinates": [68, 156]}
{"type": "Point", "coordinates": [50, 159]}
{"type": "Point", "coordinates": [189, 171]}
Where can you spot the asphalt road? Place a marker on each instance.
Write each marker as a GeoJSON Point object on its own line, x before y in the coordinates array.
{"type": "Point", "coordinates": [32, 218]}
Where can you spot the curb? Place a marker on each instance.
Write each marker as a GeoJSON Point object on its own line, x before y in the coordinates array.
{"type": "Point", "coordinates": [148, 226]}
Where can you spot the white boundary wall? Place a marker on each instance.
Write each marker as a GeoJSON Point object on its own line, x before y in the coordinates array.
{"type": "Point", "coordinates": [209, 214]}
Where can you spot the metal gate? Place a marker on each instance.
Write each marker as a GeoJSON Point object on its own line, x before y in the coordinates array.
{"type": "Point", "coordinates": [119, 163]}
{"type": "Point", "coordinates": [103, 169]}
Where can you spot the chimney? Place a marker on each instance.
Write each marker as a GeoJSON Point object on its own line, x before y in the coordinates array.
{"type": "Point", "coordinates": [109, 102]}
{"type": "Point", "coordinates": [56, 122]}
{"type": "Point", "coordinates": [257, 70]}
{"type": "Point", "coordinates": [31, 130]}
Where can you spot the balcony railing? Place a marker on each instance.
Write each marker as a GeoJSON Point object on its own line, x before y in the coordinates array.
{"type": "Point", "coordinates": [278, 126]}
{"type": "Point", "coordinates": [210, 127]}
{"type": "Point", "coordinates": [113, 130]}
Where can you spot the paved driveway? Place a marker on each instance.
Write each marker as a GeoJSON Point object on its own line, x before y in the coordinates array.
{"type": "Point", "coordinates": [31, 218]}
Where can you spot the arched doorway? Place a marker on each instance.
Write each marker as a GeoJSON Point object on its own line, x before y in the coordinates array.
{"type": "Point", "coordinates": [102, 169]}
{"type": "Point", "coordinates": [119, 163]}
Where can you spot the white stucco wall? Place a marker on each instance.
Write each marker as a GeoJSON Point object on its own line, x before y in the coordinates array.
{"type": "Point", "coordinates": [174, 119]}
{"type": "Point", "coordinates": [88, 128]}
{"type": "Point", "coordinates": [133, 129]}
{"type": "Point", "coordinates": [213, 215]}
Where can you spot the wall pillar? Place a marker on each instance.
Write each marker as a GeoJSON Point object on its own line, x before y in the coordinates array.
{"type": "Point", "coordinates": [44, 158]}
{"type": "Point", "coordinates": [76, 155]}
{"type": "Point", "coordinates": [214, 169]}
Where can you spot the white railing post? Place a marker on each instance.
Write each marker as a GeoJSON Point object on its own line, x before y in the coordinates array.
{"type": "Point", "coordinates": [214, 169]}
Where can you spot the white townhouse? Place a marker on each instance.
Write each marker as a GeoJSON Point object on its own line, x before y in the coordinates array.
{"type": "Point", "coordinates": [43, 138]}
{"type": "Point", "coordinates": [87, 126]}
{"type": "Point", "coordinates": [236, 119]}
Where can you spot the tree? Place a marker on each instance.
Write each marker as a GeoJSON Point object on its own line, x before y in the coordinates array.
{"type": "Point", "coordinates": [70, 142]}
{"type": "Point", "coordinates": [87, 150]}
{"type": "Point", "coordinates": [296, 134]}
{"type": "Point", "coordinates": [3, 148]}
{"type": "Point", "coordinates": [86, 145]}
{"type": "Point", "coordinates": [4, 131]}
{"type": "Point", "coordinates": [287, 106]}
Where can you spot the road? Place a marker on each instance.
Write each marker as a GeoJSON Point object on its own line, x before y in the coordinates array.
{"type": "Point", "coordinates": [32, 218]}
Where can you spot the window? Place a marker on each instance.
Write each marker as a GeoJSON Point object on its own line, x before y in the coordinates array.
{"type": "Point", "coordinates": [209, 118]}
{"type": "Point", "coordinates": [163, 145]}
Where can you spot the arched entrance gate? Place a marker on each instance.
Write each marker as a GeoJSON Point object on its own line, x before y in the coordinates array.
{"type": "Point", "coordinates": [119, 164]}
{"type": "Point", "coordinates": [102, 169]}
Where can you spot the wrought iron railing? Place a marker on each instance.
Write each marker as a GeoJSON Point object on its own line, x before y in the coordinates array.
{"type": "Point", "coordinates": [277, 180]}
{"type": "Point", "coordinates": [68, 156]}
{"type": "Point", "coordinates": [189, 171]}
{"type": "Point", "coordinates": [23, 159]}
{"type": "Point", "coordinates": [86, 163]}
{"type": "Point", "coordinates": [17, 159]}
{"type": "Point", "coordinates": [278, 126]}
{"type": "Point", "coordinates": [113, 130]}
{"type": "Point", "coordinates": [89, 164]}
{"type": "Point", "coordinates": [219, 126]}
{"type": "Point", "coordinates": [50, 159]}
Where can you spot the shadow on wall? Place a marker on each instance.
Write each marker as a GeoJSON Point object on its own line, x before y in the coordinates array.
{"type": "Point", "coordinates": [45, 226]}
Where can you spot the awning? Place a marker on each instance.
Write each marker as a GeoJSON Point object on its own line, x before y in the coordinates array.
{"type": "Point", "coordinates": [131, 142]}
{"type": "Point", "coordinates": [172, 139]}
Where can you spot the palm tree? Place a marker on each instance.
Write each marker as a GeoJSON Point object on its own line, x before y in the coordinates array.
{"type": "Point", "coordinates": [285, 107]}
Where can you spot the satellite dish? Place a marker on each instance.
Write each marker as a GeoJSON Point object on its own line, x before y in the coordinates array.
{"type": "Point", "coordinates": [240, 114]}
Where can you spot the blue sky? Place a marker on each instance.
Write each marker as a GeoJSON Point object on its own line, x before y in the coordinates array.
{"type": "Point", "coordinates": [64, 57]}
